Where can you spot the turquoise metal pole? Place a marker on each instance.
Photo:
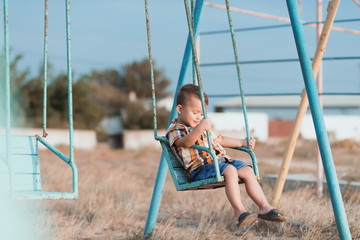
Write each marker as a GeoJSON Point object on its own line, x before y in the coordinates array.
{"type": "Point", "coordinates": [7, 93]}
{"type": "Point", "coordinates": [151, 67]}
{"type": "Point", "coordinates": [187, 59]}
{"type": "Point", "coordinates": [163, 167]}
{"type": "Point", "coordinates": [45, 68]}
{"type": "Point", "coordinates": [70, 101]}
{"type": "Point", "coordinates": [249, 150]}
{"type": "Point", "coordinates": [192, 22]}
{"type": "Point", "coordinates": [318, 119]}
{"type": "Point", "coordinates": [156, 197]}
{"type": "Point", "coordinates": [238, 70]}
{"type": "Point", "coordinates": [345, 58]}
{"type": "Point", "coordinates": [53, 149]}
{"type": "Point", "coordinates": [198, 75]}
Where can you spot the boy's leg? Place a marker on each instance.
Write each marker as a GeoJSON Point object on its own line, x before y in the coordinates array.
{"type": "Point", "coordinates": [232, 190]}
{"type": "Point", "coordinates": [254, 190]}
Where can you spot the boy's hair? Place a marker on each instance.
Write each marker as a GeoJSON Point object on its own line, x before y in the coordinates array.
{"type": "Point", "coordinates": [189, 90]}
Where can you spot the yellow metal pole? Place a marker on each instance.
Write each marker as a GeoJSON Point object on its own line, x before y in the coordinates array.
{"type": "Point", "coordinates": [332, 9]}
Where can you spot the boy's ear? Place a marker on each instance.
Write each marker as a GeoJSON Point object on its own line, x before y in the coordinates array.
{"type": "Point", "coordinates": [178, 108]}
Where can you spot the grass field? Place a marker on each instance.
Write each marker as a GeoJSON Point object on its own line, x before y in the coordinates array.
{"type": "Point", "coordinates": [115, 189]}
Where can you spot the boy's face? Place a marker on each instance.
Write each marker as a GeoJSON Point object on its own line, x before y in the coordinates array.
{"type": "Point", "coordinates": [190, 114]}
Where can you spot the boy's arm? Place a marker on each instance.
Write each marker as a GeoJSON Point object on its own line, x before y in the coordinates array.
{"type": "Point", "coordinates": [190, 139]}
{"type": "Point", "coordinates": [235, 142]}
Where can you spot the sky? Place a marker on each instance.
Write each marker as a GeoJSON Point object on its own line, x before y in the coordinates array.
{"type": "Point", "coordinates": [112, 33]}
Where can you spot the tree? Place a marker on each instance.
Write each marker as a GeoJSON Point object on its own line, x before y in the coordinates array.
{"type": "Point", "coordinates": [106, 91]}
{"type": "Point", "coordinates": [32, 93]}
{"type": "Point", "coordinates": [137, 116]}
{"type": "Point", "coordinates": [113, 89]}
{"type": "Point", "coordinates": [96, 95]}
{"type": "Point", "coordinates": [88, 112]}
{"type": "Point", "coordinates": [135, 77]}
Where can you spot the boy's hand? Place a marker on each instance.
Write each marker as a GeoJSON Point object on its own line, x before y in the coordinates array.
{"type": "Point", "coordinates": [252, 143]}
{"type": "Point", "coordinates": [205, 124]}
{"type": "Point", "coordinates": [190, 139]}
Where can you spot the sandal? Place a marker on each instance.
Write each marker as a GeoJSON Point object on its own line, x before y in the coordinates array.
{"type": "Point", "coordinates": [273, 215]}
{"type": "Point", "coordinates": [245, 219]}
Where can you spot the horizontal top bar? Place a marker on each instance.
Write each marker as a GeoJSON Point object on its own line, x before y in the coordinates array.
{"type": "Point", "coordinates": [280, 94]}
{"type": "Point", "coordinates": [273, 26]}
{"type": "Point", "coordinates": [276, 61]}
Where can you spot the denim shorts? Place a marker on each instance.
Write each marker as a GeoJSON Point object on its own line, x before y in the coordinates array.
{"type": "Point", "coordinates": [208, 170]}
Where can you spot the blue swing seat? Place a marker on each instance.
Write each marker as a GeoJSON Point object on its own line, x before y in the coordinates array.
{"type": "Point", "coordinates": [25, 174]}
{"type": "Point", "coordinates": [182, 181]}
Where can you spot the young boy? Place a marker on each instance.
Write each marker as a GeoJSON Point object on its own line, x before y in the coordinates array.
{"type": "Point", "coordinates": [189, 129]}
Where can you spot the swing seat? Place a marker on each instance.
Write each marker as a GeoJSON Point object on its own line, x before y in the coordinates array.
{"type": "Point", "coordinates": [181, 180]}
{"type": "Point", "coordinates": [25, 174]}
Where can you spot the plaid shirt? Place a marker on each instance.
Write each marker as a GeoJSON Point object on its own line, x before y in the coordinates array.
{"type": "Point", "coordinates": [191, 158]}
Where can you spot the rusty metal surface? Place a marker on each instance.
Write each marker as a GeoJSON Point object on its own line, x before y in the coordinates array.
{"type": "Point", "coordinates": [151, 67]}
{"type": "Point", "coordinates": [45, 68]}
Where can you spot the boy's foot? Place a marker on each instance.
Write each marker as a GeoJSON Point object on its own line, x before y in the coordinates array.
{"type": "Point", "coordinates": [245, 219]}
{"type": "Point", "coordinates": [273, 215]}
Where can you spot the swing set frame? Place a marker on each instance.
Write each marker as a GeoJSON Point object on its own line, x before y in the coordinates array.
{"type": "Point", "coordinates": [314, 102]}
{"type": "Point", "coordinates": [168, 160]}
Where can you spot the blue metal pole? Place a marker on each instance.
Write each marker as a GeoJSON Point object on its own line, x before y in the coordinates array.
{"type": "Point", "coordinates": [187, 59]}
{"type": "Point", "coordinates": [156, 197]}
{"type": "Point", "coordinates": [346, 58]}
{"type": "Point", "coordinates": [45, 68]}
{"type": "Point", "coordinates": [151, 67]}
{"type": "Point", "coordinates": [163, 167]}
{"type": "Point", "coordinates": [318, 119]}
{"type": "Point", "coordinates": [192, 22]}
{"type": "Point", "coordinates": [7, 94]}
{"type": "Point", "coordinates": [198, 75]}
{"type": "Point", "coordinates": [53, 149]}
{"type": "Point", "coordinates": [238, 72]}
{"type": "Point", "coordinates": [275, 26]}
{"type": "Point", "coordinates": [70, 101]}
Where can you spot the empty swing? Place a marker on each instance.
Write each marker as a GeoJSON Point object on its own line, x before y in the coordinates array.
{"type": "Point", "coordinates": [181, 180]}
{"type": "Point", "coordinates": [19, 156]}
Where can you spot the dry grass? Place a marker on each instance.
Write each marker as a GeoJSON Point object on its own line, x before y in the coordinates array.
{"type": "Point", "coordinates": [115, 189]}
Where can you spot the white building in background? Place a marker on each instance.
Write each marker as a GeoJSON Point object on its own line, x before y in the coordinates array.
{"type": "Point", "coordinates": [268, 116]}
{"type": "Point", "coordinates": [339, 127]}
{"type": "Point", "coordinates": [285, 107]}
{"type": "Point", "coordinates": [341, 114]}
{"type": "Point", "coordinates": [232, 124]}
{"type": "Point", "coordinates": [82, 139]}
